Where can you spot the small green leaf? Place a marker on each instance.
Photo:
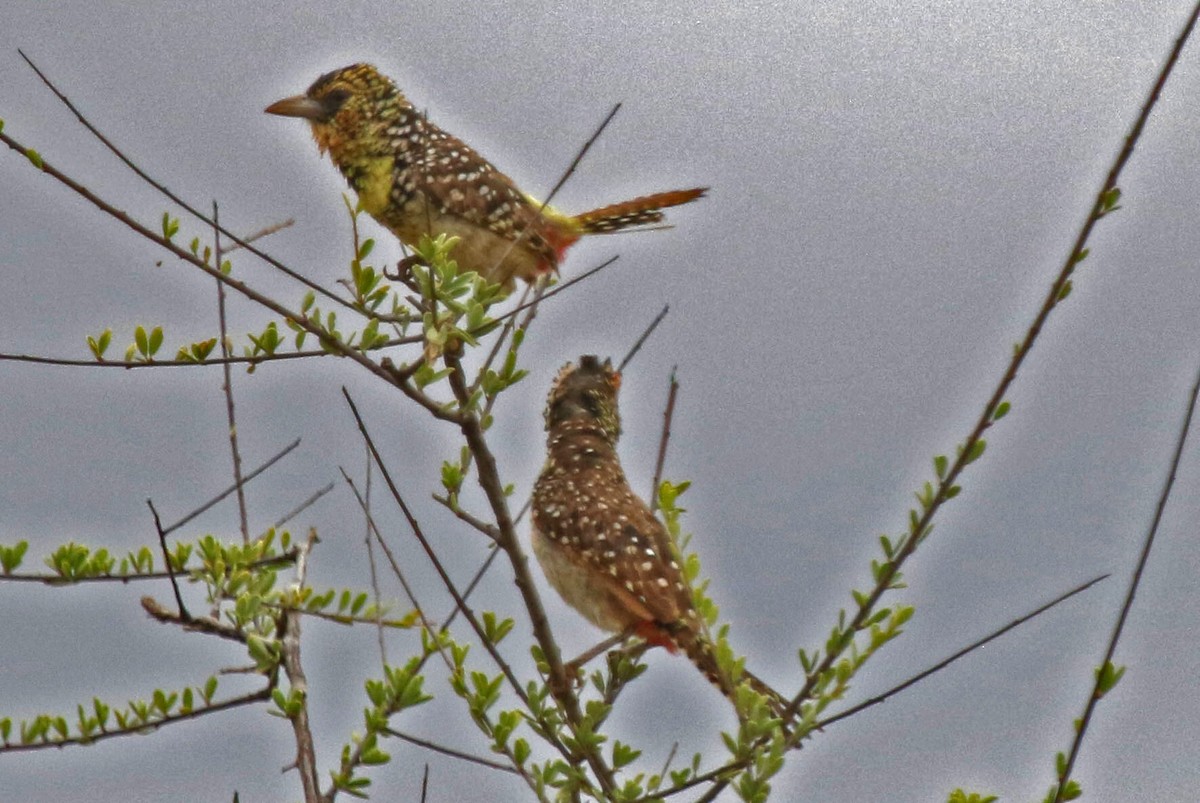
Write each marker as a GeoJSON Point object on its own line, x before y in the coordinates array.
{"type": "Point", "coordinates": [1109, 202]}
{"type": "Point", "coordinates": [939, 465]}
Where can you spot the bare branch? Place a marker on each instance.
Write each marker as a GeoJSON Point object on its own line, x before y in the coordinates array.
{"type": "Point", "coordinates": [637, 346]}
{"type": "Point", "coordinates": [166, 553]}
{"type": "Point", "coordinates": [366, 504]}
{"type": "Point", "coordinates": [263, 232]}
{"type": "Point", "coordinates": [415, 527]}
{"type": "Point", "coordinates": [1135, 581]}
{"type": "Point", "coordinates": [668, 414]}
{"type": "Point", "coordinates": [241, 243]}
{"type": "Point", "coordinates": [449, 751]}
{"type": "Point", "coordinates": [289, 626]}
{"type": "Point", "coordinates": [208, 505]}
{"type": "Point", "coordinates": [227, 385]}
{"type": "Point", "coordinates": [479, 524]}
{"type": "Point", "coordinates": [307, 503]}
{"type": "Point", "coordinates": [940, 665]}
{"type": "Point", "coordinates": [396, 570]}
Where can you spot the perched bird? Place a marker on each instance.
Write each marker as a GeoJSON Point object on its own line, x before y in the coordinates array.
{"type": "Point", "coordinates": [416, 179]}
{"type": "Point", "coordinates": [600, 546]}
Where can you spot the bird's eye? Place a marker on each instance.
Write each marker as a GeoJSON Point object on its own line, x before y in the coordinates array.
{"type": "Point", "coordinates": [334, 99]}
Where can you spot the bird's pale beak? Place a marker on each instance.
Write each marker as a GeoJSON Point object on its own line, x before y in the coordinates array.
{"type": "Point", "coordinates": [298, 106]}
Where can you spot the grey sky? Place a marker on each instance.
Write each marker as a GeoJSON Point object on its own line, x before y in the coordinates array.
{"type": "Point", "coordinates": [893, 188]}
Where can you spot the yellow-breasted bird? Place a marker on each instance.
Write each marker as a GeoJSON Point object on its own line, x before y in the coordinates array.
{"type": "Point", "coordinates": [416, 179]}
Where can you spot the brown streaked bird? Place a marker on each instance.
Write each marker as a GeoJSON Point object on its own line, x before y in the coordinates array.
{"type": "Point", "coordinates": [599, 544]}
{"type": "Point", "coordinates": [416, 179]}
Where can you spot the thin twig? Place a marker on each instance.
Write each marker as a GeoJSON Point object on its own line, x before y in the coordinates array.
{"type": "Point", "coordinates": [940, 665]}
{"type": "Point", "coordinates": [207, 505]}
{"type": "Point", "coordinates": [487, 564]}
{"type": "Point", "coordinates": [509, 324]}
{"type": "Point", "coordinates": [366, 503]}
{"type": "Point", "coordinates": [479, 524]}
{"type": "Point", "coordinates": [670, 757]}
{"type": "Point", "coordinates": [642, 339]}
{"type": "Point", "coordinates": [395, 564]}
{"type": "Point", "coordinates": [227, 386]}
{"type": "Point", "coordinates": [587, 146]}
{"type": "Point", "coordinates": [558, 288]}
{"type": "Point", "coordinates": [342, 619]}
{"type": "Point", "coordinates": [733, 766]}
{"type": "Point", "coordinates": [665, 438]}
{"type": "Point", "coordinates": [449, 751]}
{"type": "Point", "coordinates": [307, 503]}
{"type": "Point", "coordinates": [447, 581]}
{"type": "Point", "coordinates": [166, 553]}
{"type": "Point", "coordinates": [289, 650]}
{"type": "Point", "coordinates": [242, 243]}
{"type": "Point", "coordinates": [1135, 581]}
{"type": "Point", "coordinates": [263, 232]}
{"type": "Point", "coordinates": [561, 181]}
{"type": "Point", "coordinates": [192, 624]}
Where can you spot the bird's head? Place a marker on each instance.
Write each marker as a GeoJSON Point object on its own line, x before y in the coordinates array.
{"type": "Point", "coordinates": [349, 109]}
{"type": "Point", "coordinates": [586, 392]}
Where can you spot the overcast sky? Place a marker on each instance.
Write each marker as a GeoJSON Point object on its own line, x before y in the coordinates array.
{"type": "Point", "coordinates": [894, 186]}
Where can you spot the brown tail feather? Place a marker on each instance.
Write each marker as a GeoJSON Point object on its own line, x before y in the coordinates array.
{"type": "Point", "coordinates": [636, 212]}
{"type": "Point", "coordinates": [700, 651]}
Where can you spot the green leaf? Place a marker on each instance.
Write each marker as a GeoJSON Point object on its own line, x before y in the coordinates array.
{"type": "Point", "coordinates": [156, 339]}
{"type": "Point", "coordinates": [10, 557]}
{"type": "Point", "coordinates": [939, 465]}
{"type": "Point", "coordinates": [35, 157]}
{"type": "Point", "coordinates": [1109, 202]}
{"type": "Point", "coordinates": [975, 452]}
{"type": "Point", "coordinates": [1107, 677]}
{"type": "Point", "coordinates": [623, 755]}
{"type": "Point", "coordinates": [1001, 410]}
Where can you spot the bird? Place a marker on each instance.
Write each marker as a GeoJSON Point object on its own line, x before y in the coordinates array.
{"type": "Point", "coordinates": [416, 180]}
{"type": "Point", "coordinates": [600, 546]}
